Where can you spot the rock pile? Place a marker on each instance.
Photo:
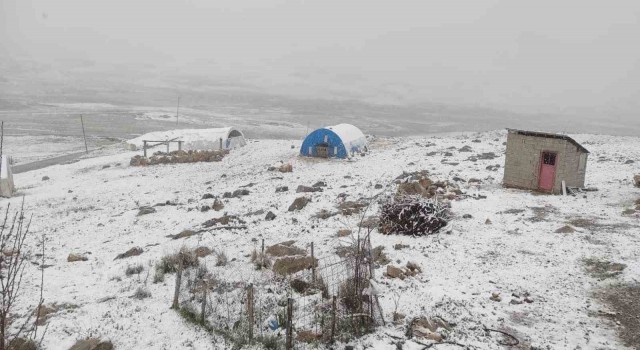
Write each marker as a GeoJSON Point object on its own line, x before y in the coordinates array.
{"type": "Point", "coordinates": [176, 157]}
{"type": "Point", "coordinates": [419, 183]}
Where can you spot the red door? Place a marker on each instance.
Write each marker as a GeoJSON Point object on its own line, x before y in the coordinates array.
{"type": "Point", "coordinates": [547, 171]}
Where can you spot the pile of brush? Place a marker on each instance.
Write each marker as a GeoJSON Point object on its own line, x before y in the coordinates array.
{"type": "Point", "coordinates": [412, 215]}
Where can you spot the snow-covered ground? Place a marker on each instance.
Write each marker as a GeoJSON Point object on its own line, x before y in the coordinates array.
{"type": "Point", "coordinates": [91, 206]}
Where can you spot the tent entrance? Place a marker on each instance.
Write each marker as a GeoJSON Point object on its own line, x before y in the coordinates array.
{"type": "Point", "coordinates": [322, 150]}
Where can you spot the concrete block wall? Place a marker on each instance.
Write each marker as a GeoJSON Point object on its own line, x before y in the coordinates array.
{"type": "Point", "coordinates": [522, 162]}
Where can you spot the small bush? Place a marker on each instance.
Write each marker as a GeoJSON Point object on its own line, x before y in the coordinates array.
{"type": "Point", "coordinates": [221, 258]}
{"type": "Point", "coordinates": [141, 293]}
{"type": "Point", "coordinates": [134, 270]}
{"type": "Point", "coordinates": [260, 260]}
{"type": "Point", "coordinates": [170, 263]}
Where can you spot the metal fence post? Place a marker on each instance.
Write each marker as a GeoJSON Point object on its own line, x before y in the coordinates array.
{"type": "Point", "coordinates": [289, 344]}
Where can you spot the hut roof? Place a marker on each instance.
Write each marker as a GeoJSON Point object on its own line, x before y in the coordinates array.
{"type": "Point", "coordinates": [550, 136]}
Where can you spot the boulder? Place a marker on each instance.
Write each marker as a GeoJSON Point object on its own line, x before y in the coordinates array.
{"type": "Point", "coordinates": [395, 272]}
{"type": "Point", "coordinates": [282, 189]}
{"type": "Point", "coordinates": [218, 205]}
{"type": "Point", "coordinates": [129, 253]}
{"type": "Point", "coordinates": [292, 264]}
{"type": "Point", "coordinates": [284, 249]}
{"type": "Point", "coordinates": [270, 216]}
{"type": "Point", "coordinates": [299, 203]}
{"type": "Point", "coordinates": [307, 189]}
{"type": "Point", "coordinates": [636, 180]}
{"type": "Point", "coordinates": [146, 210]}
{"type": "Point", "coordinates": [344, 233]}
{"type": "Point", "coordinates": [286, 168]}
{"type": "Point", "coordinates": [76, 257]}
{"type": "Point", "coordinates": [566, 229]}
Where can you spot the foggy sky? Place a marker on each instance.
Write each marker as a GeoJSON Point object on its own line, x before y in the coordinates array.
{"type": "Point", "coordinates": [566, 56]}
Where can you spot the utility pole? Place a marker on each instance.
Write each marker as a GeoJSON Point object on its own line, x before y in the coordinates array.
{"type": "Point", "coordinates": [84, 135]}
{"type": "Point", "coordinates": [178, 110]}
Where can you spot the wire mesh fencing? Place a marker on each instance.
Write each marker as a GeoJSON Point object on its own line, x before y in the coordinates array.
{"type": "Point", "coordinates": [324, 300]}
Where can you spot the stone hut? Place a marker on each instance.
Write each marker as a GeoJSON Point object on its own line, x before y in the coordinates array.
{"type": "Point", "coordinates": [541, 161]}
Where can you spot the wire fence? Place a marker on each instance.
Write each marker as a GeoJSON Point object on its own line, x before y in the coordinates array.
{"type": "Point", "coordinates": [324, 300]}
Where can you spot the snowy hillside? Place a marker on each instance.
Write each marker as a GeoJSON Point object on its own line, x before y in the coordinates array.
{"type": "Point", "coordinates": [503, 240]}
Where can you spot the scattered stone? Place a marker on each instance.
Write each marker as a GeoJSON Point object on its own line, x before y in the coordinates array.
{"type": "Point", "coordinates": [184, 234]}
{"type": "Point", "coordinates": [398, 318]}
{"type": "Point", "coordinates": [45, 178]}
{"type": "Point", "coordinates": [378, 186]}
{"type": "Point", "coordinates": [205, 208]}
{"type": "Point", "coordinates": [629, 162]}
{"type": "Point", "coordinates": [395, 272]}
{"type": "Point", "coordinates": [146, 210]}
{"type": "Point", "coordinates": [324, 214]}
{"type": "Point", "coordinates": [351, 207]}
{"type": "Point", "coordinates": [488, 222]}
{"type": "Point", "coordinates": [413, 266]}
{"type": "Point", "coordinates": [299, 203]}
{"type": "Point", "coordinates": [400, 246]}
{"type": "Point", "coordinates": [629, 212]}
{"type": "Point", "coordinates": [344, 233]}
{"type": "Point", "coordinates": [92, 344]}
{"type": "Point", "coordinates": [223, 220]}
{"type": "Point", "coordinates": [515, 302]}
{"type": "Point", "coordinates": [495, 296]}
{"type": "Point", "coordinates": [319, 184]}
{"type": "Point", "coordinates": [307, 189]}
{"type": "Point", "coordinates": [218, 205]}
{"type": "Point", "coordinates": [566, 229]}
{"type": "Point", "coordinates": [129, 253]}
{"type": "Point", "coordinates": [270, 216]}
{"type": "Point", "coordinates": [467, 216]}
{"type": "Point", "coordinates": [428, 328]}
{"type": "Point", "coordinates": [286, 168]}
{"type": "Point", "coordinates": [76, 257]}
{"type": "Point", "coordinates": [282, 189]}
{"type": "Point", "coordinates": [466, 148]}
{"type": "Point", "coordinates": [636, 180]}
{"type": "Point", "coordinates": [207, 196]}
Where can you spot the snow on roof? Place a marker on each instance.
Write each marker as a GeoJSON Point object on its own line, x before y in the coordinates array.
{"type": "Point", "coordinates": [551, 136]}
{"type": "Point", "coordinates": [193, 138]}
{"type": "Point", "coordinates": [348, 133]}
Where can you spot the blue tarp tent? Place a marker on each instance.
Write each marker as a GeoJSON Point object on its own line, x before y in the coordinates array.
{"type": "Point", "coordinates": [339, 141]}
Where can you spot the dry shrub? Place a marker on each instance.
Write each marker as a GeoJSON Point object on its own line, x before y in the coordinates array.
{"type": "Point", "coordinates": [134, 270]}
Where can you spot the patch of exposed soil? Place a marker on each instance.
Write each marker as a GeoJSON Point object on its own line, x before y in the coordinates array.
{"type": "Point", "coordinates": [602, 269]}
{"type": "Point", "coordinates": [623, 301]}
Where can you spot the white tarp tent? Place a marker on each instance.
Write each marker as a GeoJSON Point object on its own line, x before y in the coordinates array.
{"type": "Point", "coordinates": [197, 139]}
{"type": "Point", "coordinates": [6, 178]}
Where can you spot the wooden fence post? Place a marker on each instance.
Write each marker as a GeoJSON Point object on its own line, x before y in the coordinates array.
{"type": "Point", "coordinates": [250, 310]}
{"type": "Point", "coordinates": [333, 319]}
{"type": "Point", "coordinates": [313, 266]}
{"type": "Point", "coordinates": [84, 135]}
{"type": "Point", "coordinates": [168, 143]}
{"type": "Point", "coordinates": [176, 294]}
{"type": "Point", "coordinates": [289, 340]}
{"type": "Point", "coordinates": [180, 145]}
{"type": "Point", "coordinates": [262, 256]}
{"type": "Point", "coordinates": [204, 302]}
{"type": "Point", "coordinates": [144, 148]}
